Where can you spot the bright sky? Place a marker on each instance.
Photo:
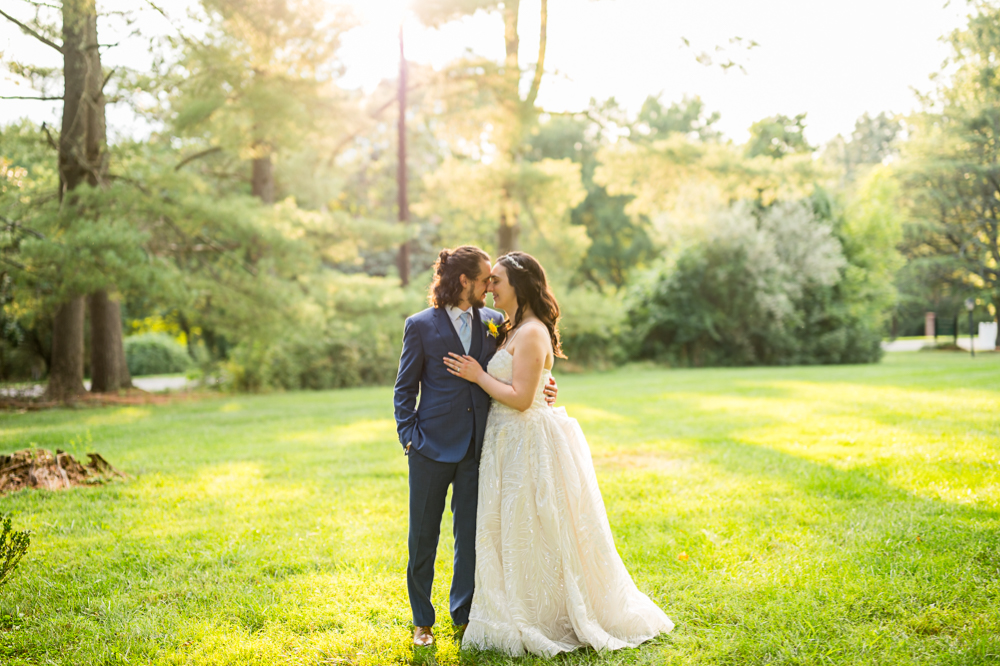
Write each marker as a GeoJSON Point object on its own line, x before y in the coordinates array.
{"type": "Point", "coordinates": [832, 60]}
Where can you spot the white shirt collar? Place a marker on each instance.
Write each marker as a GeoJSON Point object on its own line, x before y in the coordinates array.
{"type": "Point", "coordinates": [455, 313]}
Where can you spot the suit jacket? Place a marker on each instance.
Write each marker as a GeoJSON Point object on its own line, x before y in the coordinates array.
{"type": "Point", "coordinates": [452, 411]}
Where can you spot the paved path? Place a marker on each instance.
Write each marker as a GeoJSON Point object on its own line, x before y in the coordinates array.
{"type": "Point", "coordinates": [964, 344]}
{"type": "Point", "coordinates": [917, 345]}
{"type": "Point", "coordinates": [151, 384]}
{"type": "Point", "coordinates": [905, 345]}
{"type": "Point", "coordinates": [155, 384]}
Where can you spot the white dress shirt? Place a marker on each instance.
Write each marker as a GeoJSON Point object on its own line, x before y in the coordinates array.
{"type": "Point", "coordinates": [456, 315]}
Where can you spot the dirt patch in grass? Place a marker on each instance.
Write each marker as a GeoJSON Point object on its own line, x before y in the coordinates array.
{"type": "Point", "coordinates": [39, 468]}
{"type": "Point", "coordinates": [123, 398]}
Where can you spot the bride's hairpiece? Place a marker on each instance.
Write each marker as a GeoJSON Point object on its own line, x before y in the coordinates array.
{"type": "Point", "coordinates": [514, 263]}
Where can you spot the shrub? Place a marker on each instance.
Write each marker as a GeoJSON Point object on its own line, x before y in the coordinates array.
{"type": "Point", "coordinates": [13, 545]}
{"type": "Point", "coordinates": [593, 329]}
{"type": "Point", "coordinates": [155, 354]}
{"type": "Point", "coordinates": [348, 333]}
{"type": "Point", "coordinates": [768, 287]}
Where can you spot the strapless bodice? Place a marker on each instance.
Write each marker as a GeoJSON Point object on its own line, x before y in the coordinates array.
{"type": "Point", "coordinates": [501, 367]}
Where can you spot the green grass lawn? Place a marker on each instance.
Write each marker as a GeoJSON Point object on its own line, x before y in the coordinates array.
{"type": "Point", "coordinates": [830, 515]}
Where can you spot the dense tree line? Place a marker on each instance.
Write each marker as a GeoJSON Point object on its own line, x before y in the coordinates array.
{"type": "Point", "coordinates": [256, 226]}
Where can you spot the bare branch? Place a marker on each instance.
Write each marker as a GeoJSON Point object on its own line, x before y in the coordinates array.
{"type": "Point", "coordinates": [222, 251]}
{"type": "Point", "coordinates": [157, 9]}
{"type": "Point", "coordinates": [90, 47]}
{"type": "Point", "coordinates": [199, 155]}
{"type": "Point", "coordinates": [13, 263]}
{"type": "Point", "coordinates": [48, 136]}
{"type": "Point", "coordinates": [37, 99]}
{"type": "Point", "coordinates": [139, 186]}
{"type": "Point", "coordinates": [108, 77]}
{"type": "Point", "coordinates": [31, 32]}
{"type": "Point", "coordinates": [12, 225]}
{"type": "Point", "coordinates": [38, 3]}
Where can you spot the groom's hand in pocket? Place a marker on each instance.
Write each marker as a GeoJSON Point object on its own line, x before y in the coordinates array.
{"type": "Point", "coordinates": [551, 391]}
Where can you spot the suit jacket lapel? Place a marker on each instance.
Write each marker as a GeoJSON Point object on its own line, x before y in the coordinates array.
{"type": "Point", "coordinates": [483, 336]}
{"type": "Point", "coordinates": [447, 331]}
{"type": "Point", "coordinates": [478, 338]}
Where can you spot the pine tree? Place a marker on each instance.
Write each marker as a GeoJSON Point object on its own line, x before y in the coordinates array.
{"type": "Point", "coordinates": [83, 160]}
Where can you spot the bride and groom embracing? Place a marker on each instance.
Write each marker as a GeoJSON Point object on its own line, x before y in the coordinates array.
{"type": "Point", "coordinates": [536, 568]}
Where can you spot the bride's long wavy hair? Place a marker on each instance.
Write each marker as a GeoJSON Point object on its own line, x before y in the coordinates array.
{"type": "Point", "coordinates": [531, 288]}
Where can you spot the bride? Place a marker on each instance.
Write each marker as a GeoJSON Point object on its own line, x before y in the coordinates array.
{"type": "Point", "coordinates": [548, 576]}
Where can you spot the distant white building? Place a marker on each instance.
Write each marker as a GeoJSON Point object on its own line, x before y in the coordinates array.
{"type": "Point", "coordinates": [988, 335]}
{"type": "Point", "coordinates": [985, 341]}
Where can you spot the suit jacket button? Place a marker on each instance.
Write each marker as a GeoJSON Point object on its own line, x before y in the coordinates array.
{"type": "Point", "coordinates": [469, 409]}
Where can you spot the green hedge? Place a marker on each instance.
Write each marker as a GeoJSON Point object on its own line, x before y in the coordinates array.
{"type": "Point", "coordinates": [155, 354]}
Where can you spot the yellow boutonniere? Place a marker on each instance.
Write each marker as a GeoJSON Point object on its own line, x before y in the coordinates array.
{"type": "Point", "coordinates": [493, 329]}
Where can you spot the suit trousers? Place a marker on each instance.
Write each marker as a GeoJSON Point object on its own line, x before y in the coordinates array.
{"type": "Point", "coordinates": [429, 481]}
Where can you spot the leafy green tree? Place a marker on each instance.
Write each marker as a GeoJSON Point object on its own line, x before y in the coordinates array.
{"type": "Point", "coordinates": [481, 93]}
{"type": "Point", "coordinates": [953, 164]}
{"type": "Point", "coordinates": [874, 140]}
{"type": "Point", "coordinates": [619, 243]}
{"type": "Point", "coordinates": [71, 29]}
{"type": "Point", "coordinates": [259, 81]}
{"type": "Point", "coordinates": [778, 136]}
{"type": "Point", "coordinates": [687, 117]}
{"type": "Point", "coordinates": [870, 227]}
{"type": "Point", "coordinates": [677, 181]}
{"type": "Point", "coordinates": [845, 322]}
{"type": "Point", "coordinates": [789, 284]}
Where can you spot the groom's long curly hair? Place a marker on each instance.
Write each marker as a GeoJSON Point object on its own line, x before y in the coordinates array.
{"type": "Point", "coordinates": [446, 287]}
{"type": "Point", "coordinates": [531, 288]}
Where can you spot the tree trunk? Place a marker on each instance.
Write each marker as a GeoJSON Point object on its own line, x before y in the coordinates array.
{"type": "Point", "coordinates": [66, 370]}
{"type": "Point", "coordinates": [83, 141]}
{"type": "Point", "coordinates": [403, 258]}
{"type": "Point", "coordinates": [108, 369]}
{"type": "Point", "coordinates": [507, 233]}
{"type": "Point", "coordinates": [511, 9]}
{"type": "Point", "coordinates": [82, 158]}
{"type": "Point", "coordinates": [996, 314]}
{"type": "Point", "coordinates": [262, 179]}
{"type": "Point", "coordinates": [510, 91]}
{"type": "Point", "coordinates": [523, 114]}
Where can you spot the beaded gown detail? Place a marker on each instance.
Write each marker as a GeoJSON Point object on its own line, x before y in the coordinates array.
{"type": "Point", "coordinates": [548, 576]}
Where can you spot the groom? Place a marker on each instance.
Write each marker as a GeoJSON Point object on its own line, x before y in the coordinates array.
{"type": "Point", "coordinates": [443, 435]}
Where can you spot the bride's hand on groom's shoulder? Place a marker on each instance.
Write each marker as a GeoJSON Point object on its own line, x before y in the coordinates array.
{"type": "Point", "coordinates": [551, 391]}
{"type": "Point", "coordinates": [465, 367]}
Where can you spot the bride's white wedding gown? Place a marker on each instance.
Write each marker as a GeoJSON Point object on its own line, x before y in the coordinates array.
{"type": "Point", "coordinates": [548, 576]}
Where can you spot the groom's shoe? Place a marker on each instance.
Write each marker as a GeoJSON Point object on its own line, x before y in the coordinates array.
{"type": "Point", "coordinates": [460, 630]}
{"type": "Point", "coordinates": [423, 636]}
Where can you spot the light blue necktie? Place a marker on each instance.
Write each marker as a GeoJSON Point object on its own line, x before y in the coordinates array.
{"type": "Point", "coordinates": [465, 330]}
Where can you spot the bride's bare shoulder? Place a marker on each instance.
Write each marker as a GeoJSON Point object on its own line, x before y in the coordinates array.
{"type": "Point", "coordinates": [535, 328]}
{"type": "Point", "coordinates": [530, 328]}
{"type": "Point", "coordinates": [533, 334]}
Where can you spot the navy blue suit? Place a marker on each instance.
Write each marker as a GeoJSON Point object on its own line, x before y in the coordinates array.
{"type": "Point", "coordinates": [445, 432]}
